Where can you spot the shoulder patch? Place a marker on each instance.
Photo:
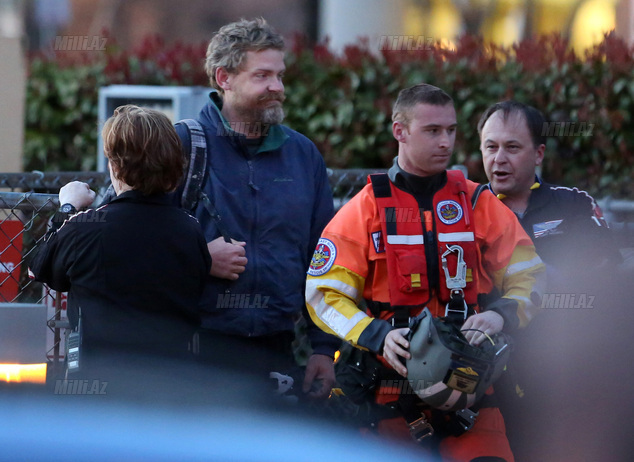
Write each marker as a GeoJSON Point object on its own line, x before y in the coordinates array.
{"type": "Point", "coordinates": [449, 212]}
{"type": "Point", "coordinates": [377, 240]}
{"type": "Point", "coordinates": [323, 258]}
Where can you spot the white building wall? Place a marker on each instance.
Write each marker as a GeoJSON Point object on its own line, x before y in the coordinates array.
{"type": "Point", "coordinates": [344, 21]}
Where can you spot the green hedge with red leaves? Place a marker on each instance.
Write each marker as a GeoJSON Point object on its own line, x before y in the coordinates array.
{"type": "Point", "coordinates": [343, 101]}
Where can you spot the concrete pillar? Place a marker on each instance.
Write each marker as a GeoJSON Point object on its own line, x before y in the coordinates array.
{"type": "Point", "coordinates": [12, 95]}
{"type": "Point", "coordinates": [344, 21]}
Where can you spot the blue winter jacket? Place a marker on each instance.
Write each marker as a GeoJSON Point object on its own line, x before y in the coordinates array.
{"type": "Point", "coordinates": [277, 200]}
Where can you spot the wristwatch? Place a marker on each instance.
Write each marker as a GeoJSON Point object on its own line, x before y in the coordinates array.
{"type": "Point", "coordinates": [68, 208]}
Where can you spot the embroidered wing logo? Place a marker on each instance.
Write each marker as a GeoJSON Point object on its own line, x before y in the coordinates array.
{"type": "Point", "coordinates": [547, 228]}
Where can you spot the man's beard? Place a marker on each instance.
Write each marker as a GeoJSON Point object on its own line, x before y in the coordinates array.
{"type": "Point", "coordinates": [272, 115]}
{"type": "Point", "coordinates": [265, 115]}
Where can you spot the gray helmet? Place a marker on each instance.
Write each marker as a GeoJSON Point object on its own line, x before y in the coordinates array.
{"type": "Point", "coordinates": [445, 371]}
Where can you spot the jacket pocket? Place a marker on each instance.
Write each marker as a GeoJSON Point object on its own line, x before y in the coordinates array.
{"type": "Point", "coordinates": [411, 271]}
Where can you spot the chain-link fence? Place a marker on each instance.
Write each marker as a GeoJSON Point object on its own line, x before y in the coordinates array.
{"type": "Point", "coordinates": [28, 200]}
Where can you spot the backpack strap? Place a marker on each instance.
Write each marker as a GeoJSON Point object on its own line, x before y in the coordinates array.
{"type": "Point", "coordinates": [195, 176]}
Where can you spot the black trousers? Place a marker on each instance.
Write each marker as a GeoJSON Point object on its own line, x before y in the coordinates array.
{"type": "Point", "coordinates": [256, 356]}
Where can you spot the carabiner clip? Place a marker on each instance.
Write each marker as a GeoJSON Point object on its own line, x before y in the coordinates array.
{"type": "Point", "coordinates": [455, 284]}
{"type": "Point", "coordinates": [459, 281]}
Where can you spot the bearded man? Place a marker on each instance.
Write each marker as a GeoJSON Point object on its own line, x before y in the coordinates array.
{"type": "Point", "coordinates": [270, 187]}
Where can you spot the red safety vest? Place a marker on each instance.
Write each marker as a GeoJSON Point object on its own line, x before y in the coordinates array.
{"type": "Point", "coordinates": [406, 235]}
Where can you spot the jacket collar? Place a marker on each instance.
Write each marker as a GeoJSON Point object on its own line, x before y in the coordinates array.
{"type": "Point", "coordinates": [136, 196]}
{"type": "Point", "coordinates": [539, 195]}
{"type": "Point", "coordinates": [414, 183]}
{"type": "Point", "coordinates": [536, 200]}
{"type": "Point", "coordinates": [536, 185]}
{"type": "Point", "coordinates": [212, 117]}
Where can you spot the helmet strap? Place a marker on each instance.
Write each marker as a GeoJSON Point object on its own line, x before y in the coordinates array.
{"type": "Point", "coordinates": [456, 310]}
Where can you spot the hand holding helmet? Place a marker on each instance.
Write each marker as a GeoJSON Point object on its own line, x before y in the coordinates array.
{"type": "Point", "coordinates": [396, 345]}
{"type": "Point", "coordinates": [445, 370]}
{"type": "Point", "coordinates": [477, 327]}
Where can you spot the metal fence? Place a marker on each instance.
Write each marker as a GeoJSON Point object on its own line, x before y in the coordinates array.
{"type": "Point", "coordinates": [28, 200]}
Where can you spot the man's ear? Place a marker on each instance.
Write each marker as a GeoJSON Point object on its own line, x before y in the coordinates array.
{"type": "Point", "coordinates": [540, 154]}
{"type": "Point", "coordinates": [223, 78]}
{"type": "Point", "coordinates": [399, 130]}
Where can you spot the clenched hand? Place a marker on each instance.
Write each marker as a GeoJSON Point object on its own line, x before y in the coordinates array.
{"type": "Point", "coordinates": [76, 193]}
{"type": "Point", "coordinates": [228, 259]}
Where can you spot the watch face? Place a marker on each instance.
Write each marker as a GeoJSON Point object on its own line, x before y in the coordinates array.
{"type": "Point", "coordinates": [67, 208]}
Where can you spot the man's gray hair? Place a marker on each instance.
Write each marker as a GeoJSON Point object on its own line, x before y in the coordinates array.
{"type": "Point", "coordinates": [229, 46]}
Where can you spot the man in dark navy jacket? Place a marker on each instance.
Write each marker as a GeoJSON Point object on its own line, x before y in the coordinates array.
{"type": "Point", "coordinates": [270, 186]}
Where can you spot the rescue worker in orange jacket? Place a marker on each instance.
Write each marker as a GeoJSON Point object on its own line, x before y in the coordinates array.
{"type": "Point", "coordinates": [398, 244]}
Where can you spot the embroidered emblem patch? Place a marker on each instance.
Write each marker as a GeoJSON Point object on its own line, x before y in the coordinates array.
{"type": "Point", "coordinates": [377, 239]}
{"type": "Point", "coordinates": [323, 258]}
{"type": "Point", "coordinates": [449, 212]}
{"type": "Point", "coordinates": [547, 228]}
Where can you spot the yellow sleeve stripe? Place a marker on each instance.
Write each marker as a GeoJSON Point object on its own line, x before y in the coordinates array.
{"type": "Point", "coordinates": [523, 253]}
{"type": "Point", "coordinates": [333, 284]}
{"type": "Point", "coordinates": [335, 320]}
{"type": "Point", "coordinates": [332, 303]}
{"type": "Point", "coordinates": [520, 280]}
{"type": "Point", "coordinates": [343, 275]}
{"type": "Point", "coordinates": [522, 265]}
{"type": "Point", "coordinates": [523, 259]}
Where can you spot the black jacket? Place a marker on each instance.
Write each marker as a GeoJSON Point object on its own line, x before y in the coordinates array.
{"type": "Point", "coordinates": [136, 267]}
{"type": "Point", "coordinates": [568, 229]}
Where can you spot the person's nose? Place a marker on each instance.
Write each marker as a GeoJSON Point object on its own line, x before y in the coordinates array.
{"type": "Point", "coordinates": [445, 140]}
{"type": "Point", "coordinates": [276, 85]}
{"type": "Point", "coordinates": [500, 156]}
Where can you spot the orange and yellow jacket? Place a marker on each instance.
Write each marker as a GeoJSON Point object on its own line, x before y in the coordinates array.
{"type": "Point", "coordinates": [350, 264]}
